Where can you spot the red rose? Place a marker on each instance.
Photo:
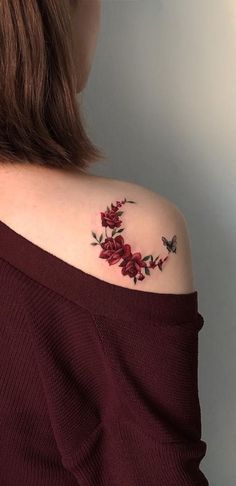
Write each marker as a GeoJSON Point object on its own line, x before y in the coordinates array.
{"type": "Point", "coordinates": [113, 249]}
{"type": "Point", "coordinates": [132, 266]}
{"type": "Point", "coordinates": [110, 218]}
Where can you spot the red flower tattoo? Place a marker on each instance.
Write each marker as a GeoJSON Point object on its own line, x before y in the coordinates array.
{"type": "Point", "coordinates": [111, 218]}
{"type": "Point", "coordinates": [114, 249]}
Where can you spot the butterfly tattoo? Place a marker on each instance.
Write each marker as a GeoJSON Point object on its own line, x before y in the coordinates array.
{"type": "Point", "coordinates": [170, 245]}
{"type": "Point", "coordinates": [114, 249]}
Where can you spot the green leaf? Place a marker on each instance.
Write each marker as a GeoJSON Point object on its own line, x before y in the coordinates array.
{"type": "Point", "coordinates": [100, 238]}
{"type": "Point", "coordinates": [94, 234]}
{"type": "Point", "coordinates": [146, 257]}
{"type": "Point", "coordinates": [133, 202]}
{"type": "Point", "coordinates": [108, 209]}
{"type": "Point", "coordinates": [135, 280]}
{"type": "Point", "coordinates": [113, 232]}
{"type": "Point", "coordinates": [119, 213]}
{"type": "Point", "coordinates": [93, 243]}
{"type": "Point", "coordinates": [147, 271]}
{"type": "Point", "coordinates": [152, 258]}
{"type": "Point", "coordinates": [120, 230]}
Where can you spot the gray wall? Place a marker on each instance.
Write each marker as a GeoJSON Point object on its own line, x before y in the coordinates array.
{"type": "Point", "coordinates": [161, 101]}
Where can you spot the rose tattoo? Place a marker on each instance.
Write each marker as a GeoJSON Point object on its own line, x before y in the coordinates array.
{"type": "Point", "coordinates": [114, 249]}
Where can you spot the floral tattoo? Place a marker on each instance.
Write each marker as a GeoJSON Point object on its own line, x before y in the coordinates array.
{"type": "Point", "coordinates": [114, 249]}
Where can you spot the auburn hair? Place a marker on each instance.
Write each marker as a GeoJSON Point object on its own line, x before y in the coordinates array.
{"type": "Point", "coordinates": [41, 121]}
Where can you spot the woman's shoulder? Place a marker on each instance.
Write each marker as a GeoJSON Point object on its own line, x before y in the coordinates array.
{"type": "Point", "coordinates": [117, 230]}
{"type": "Point", "coordinates": [141, 237]}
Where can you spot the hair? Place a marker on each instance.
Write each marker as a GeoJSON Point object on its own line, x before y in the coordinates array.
{"type": "Point", "coordinates": [40, 123]}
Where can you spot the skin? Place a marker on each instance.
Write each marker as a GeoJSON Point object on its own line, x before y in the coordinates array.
{"type": "Point", "coordinates": [85, 18]}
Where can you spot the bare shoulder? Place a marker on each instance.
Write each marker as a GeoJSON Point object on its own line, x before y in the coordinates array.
{"type": "Point", "coordinates": [119, 231]}
{"type": "Point", "coordinates": [142, 238]}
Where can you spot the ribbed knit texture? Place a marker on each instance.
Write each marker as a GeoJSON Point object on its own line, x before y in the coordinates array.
{"type": "Point", "coordinates": [98, 383]}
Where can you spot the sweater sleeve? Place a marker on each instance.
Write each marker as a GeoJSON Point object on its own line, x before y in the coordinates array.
{"type": "Point", "coordinates": [122, 394]}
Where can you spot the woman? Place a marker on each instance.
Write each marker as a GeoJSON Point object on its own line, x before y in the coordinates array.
{"type": "Point", "coordinates": [99, 320]}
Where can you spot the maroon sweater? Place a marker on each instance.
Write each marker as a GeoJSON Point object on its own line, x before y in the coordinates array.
{"type": "Point", "coordinates": [99, 383]}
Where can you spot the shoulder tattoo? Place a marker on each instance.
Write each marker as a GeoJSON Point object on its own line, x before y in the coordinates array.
{"type": "Point", "coordinates": [114, 249]}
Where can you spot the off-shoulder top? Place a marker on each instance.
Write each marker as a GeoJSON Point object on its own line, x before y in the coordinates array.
{"type": "Point", "coordinates": [98, 382]}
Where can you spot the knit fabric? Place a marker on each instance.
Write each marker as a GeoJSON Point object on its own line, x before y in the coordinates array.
{"type": "Point", "coordinates": [98, 383]}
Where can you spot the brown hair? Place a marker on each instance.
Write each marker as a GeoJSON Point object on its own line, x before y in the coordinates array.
{"type": "Point", "coordinates": [40, 119]}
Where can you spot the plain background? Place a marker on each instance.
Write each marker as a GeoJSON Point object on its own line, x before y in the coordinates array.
{"type": "Point", "coordinates": [161, 101]}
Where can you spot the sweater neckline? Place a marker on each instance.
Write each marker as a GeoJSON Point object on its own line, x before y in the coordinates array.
{"type": "Point", "coordinates": [88, 291]}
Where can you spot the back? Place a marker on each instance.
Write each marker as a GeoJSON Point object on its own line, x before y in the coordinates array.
{"type": "Point", "coordinates": [99, 380]}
